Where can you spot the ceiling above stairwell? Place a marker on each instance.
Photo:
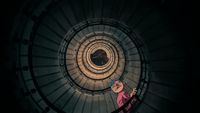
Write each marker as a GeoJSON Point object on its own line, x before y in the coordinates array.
{"type": "Point", "coordinates": [77, 53]}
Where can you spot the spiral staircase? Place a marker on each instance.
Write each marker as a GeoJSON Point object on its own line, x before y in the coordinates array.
{"type": "Point", "coordinates": [69, 52]}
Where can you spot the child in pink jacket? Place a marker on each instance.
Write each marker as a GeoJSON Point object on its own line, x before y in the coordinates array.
{"type": "Point", "coordinates": [122, 97]}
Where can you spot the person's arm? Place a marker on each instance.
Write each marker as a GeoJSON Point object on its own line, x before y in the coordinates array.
{"type": "Point", "coordinates": [133, 92]}
{"type": "Point", "coordinates": [125, 95]}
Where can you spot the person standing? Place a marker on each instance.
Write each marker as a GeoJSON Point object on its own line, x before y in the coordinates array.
{"type": "Point", "coordinates": [122, 96]}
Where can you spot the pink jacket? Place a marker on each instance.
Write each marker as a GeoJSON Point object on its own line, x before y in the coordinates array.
{"type": "Point", "coordinates": [122, 98]}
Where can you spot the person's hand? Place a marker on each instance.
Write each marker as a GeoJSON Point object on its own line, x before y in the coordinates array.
{"type": "Point", "coordinates": [133, 92]}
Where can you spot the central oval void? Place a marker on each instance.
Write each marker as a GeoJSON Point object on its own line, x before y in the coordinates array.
{"type": "Point", "coordinates": [99, 57]}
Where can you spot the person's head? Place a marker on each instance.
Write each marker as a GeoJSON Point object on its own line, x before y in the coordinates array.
{"type": "Point", "coordinates": [117, 86]}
